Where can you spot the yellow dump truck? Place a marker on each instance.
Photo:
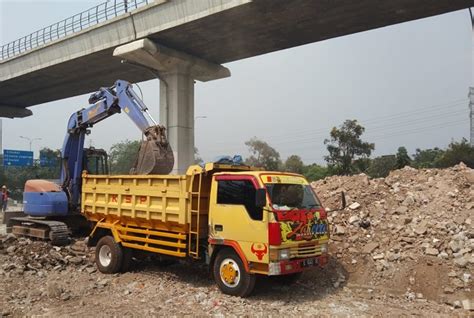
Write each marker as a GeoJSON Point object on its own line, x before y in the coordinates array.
{"type": "Point", "coordinates": [241, 221]}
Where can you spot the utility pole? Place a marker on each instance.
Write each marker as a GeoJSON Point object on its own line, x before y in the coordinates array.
{"type": "Point", "coordinates": [30, 140]}
{"type": "Point", "coordinates": [471, 114]}
{"type": "Point", "coordinates": [471, 89]}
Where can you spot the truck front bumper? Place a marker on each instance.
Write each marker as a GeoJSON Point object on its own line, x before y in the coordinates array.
{"type": "Point", "coordinates": [296, 265]}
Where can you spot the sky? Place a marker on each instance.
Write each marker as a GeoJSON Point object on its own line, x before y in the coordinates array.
{"type": "Point", "coordinates": [407, 84]}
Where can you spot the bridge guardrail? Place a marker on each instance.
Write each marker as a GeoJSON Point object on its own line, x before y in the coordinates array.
{"type": "Point", "coordinates": [78, 22]}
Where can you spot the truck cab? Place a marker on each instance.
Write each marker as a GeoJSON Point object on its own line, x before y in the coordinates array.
{"type": "Point", "coordinates": [263, 222]}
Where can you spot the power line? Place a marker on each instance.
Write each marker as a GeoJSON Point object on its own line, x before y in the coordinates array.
{"type": "Point", "coordinates": [368, 130]}
{"type": "Point", "coordinates": [325, 130]}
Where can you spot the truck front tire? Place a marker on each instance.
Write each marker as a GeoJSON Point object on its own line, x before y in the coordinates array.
{"type": "Point", "coordinates": [230, 275]}
{"type": "Point", "coordinates": [108, 255]}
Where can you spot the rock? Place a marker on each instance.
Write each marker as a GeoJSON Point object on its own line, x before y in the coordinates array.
{"type": "Point", "coordinates": [378, 256]}
{"type": "Point", "coordinates": [457, 304]}
{"type": "Point", "coordinates": [10, 238]}
{"type": "Point", "coordinates": [103, 282]}
{"type": "Point", "coordinates": [466, 277]}
{"type": "Point", "coordinates": [364, 223]}
{"type": "Point", "coordinates": [53, 290]}
{"type": "Point", "coordinates": [409, 200]}
{"type": "Point", "coordinates": [460, 262]}
{"type": "Point", "coordinates": [454, 246]}
{"type": "Point", "coordinates": [443, 255]}
{"type": "Point", "coordinates": [452, 274]}
{"type": "Point", "coordinates": [354, 206]}
{"type": "Point", "coordinates": [369, 248]}
{"type": "Point", "coordinates": [448, 290]}
{"type": "Point", "coordinates": [457, 283]}
{"type": "Point", "coordinates": [353, 219]}
{"type": "Point", "coordinates": [400, 210]}
{"type": "Point", "coordinates": [75, 260]}
{"type": "Point", "coordinates": [420, 229]}
{"type": "Point", "coordinates": [467, 304]}
{"type": "Point", "coordinates": [340, 230]}
{"type": "Point", "coordinates": [431, 251]}
{"type": "Point", "coordinates": [410, 296]}
{"type": "Point", "coordinates": [469, 175]}
{"type": "Point", "coordinates": [11, 249]}
{"type": "Point", "coordinates": [79, 246]}
{"type": "Point", "coordinates": [393, 256]}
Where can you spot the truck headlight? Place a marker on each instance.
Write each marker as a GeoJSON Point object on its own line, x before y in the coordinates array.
{"type": "Point", "coordinates": [284, 253]}
{"type": "Point", "coordinates": [277, 255]}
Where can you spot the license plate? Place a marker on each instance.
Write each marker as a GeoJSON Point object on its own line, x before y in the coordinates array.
{"type": "Point", "coordinates": [309, 262]}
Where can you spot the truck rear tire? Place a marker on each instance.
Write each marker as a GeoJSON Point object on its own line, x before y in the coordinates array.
{"type": "Point", "coordinates": [108, 255]}
{"type": "Point", "coordinates": [230, 275]}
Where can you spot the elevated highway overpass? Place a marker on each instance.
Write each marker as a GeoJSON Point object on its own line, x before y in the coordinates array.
{"type": "Point", "coordinates": [182, 41]}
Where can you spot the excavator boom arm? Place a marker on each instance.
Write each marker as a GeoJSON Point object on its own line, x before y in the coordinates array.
{"type": "Point", "coordinates": [155, 155]}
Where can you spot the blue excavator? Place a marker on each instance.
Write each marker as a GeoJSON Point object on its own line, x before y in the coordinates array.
{"type": "Point", "coordinates": [53, 209]}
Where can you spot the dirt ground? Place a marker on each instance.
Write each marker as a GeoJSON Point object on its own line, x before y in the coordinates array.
{"type": "Point", "coordinates": [75, 290]}
{"type": "Point", "coordinates": [404, 246]}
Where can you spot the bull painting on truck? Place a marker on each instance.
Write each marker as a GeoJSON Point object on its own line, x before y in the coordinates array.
{"type": "Point", "coordinates": [241, 221]}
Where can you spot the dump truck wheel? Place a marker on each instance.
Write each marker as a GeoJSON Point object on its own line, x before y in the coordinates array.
{"type": "Point", "coordinates": [230, 275]}
{"type": "Point", "coordinates": [108, 255]}
{"type": "Point", "coordinates": [126, 259]}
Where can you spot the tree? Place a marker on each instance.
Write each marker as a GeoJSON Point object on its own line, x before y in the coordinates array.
{"type": "Point", "coordinates": [403, 159]}
{"type": "Point", "coordinates": [197, 159]}
{"type": "Point", "coordinates": [262, 155]}
{"type": "Point", "coordinates": [294, 164]}
{"type": "Point", "coordinates": [457, 152]}
{"type": "Point", "coordinates": [380, 167]}
{"type": "Point", "coordinates": [122, 156]}
{"type": "Point", "coordinates": [315, 172]}
{"type": "Point", "coordinates": [15, 177]}
{"type": "Point", "coordinates": [345, 146]}
{"type": "Point", "coordinates": [427, 158]}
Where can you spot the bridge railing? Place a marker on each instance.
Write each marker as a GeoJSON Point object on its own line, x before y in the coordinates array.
{"type": "Point", "coordinates": [78, 22]}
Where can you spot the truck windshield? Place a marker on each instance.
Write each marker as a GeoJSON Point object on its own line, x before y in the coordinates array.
{"type": "Point", "coordinates": [286, 196]}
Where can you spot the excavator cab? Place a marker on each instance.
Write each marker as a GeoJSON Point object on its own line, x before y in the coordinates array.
{"type": "Point", "coordinates": [95, 161]}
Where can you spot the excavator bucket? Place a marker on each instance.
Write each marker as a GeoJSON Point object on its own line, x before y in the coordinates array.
{"type": "Point", "coordinates": [155, 155]}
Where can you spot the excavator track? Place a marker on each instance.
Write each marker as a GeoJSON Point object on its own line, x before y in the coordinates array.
{"type": "Point", "coordinates": [55, 231]}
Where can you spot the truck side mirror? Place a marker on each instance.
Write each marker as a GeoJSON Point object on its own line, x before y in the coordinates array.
{"type": "Point", "coordinates": [260, 198]}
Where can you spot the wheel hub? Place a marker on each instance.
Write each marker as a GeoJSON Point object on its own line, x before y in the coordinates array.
{"type": "Point", "coordinates": [229, 273]}
{"type": "Point", "coordinates": [105, 255]}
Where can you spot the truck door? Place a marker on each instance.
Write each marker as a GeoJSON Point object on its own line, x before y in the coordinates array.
{"type": "Point", "coordinates": [234, 217]}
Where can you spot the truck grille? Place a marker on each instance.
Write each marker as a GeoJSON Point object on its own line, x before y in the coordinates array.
{"type": "Point", "coordinates": [305, 250]}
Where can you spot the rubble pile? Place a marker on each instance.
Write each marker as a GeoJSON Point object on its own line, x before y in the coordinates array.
{"type": "Point", "coordinates": [413, 230]}
{"type": "Point", "coordinates": [28, 257]}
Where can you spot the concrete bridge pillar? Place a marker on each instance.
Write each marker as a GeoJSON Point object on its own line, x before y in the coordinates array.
{"type": "Point", "coordinates": [177, 115]}
{"type": "Point", "coordinates": [177, 72]}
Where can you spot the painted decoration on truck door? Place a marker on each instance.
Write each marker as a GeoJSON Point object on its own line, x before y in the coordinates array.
{"type": "Point", "coordinates": [301, 225]}
{"type": "Point", "coordinates": [259, 249]}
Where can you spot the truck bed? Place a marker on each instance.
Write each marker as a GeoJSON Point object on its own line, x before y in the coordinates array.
{"type": "Point", "coordinates": [157, 202]}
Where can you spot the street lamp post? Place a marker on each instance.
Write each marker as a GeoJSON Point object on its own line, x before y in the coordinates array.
{"type": "Point", "coordinates": [30, 140]}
